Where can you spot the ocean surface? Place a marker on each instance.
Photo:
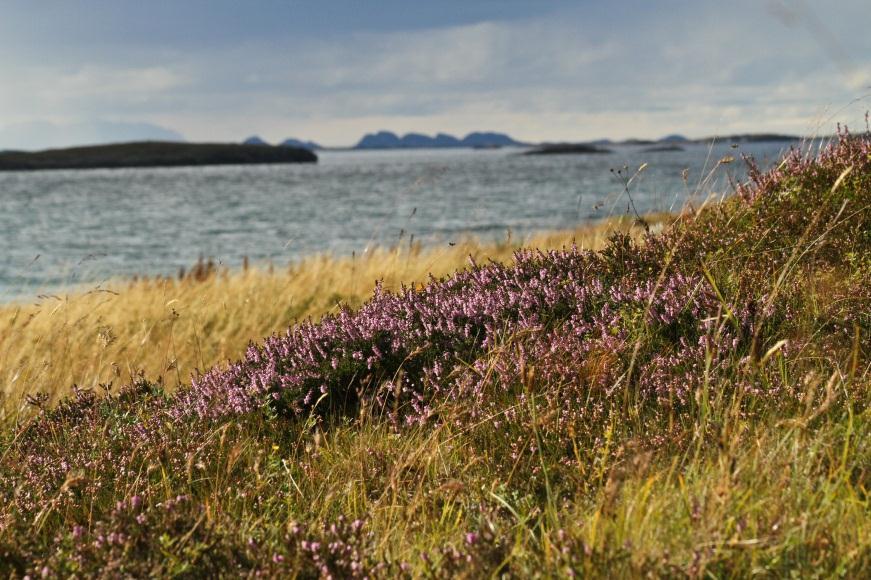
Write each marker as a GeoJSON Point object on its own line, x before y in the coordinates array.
{"type": "Point", "coordinates": [62, 228]}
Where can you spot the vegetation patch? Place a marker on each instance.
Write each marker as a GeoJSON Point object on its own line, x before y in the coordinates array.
{"type": "Point", "coordinates": [694, 403]}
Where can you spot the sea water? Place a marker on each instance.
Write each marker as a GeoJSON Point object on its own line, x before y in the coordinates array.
{"type": "Point", "coordinates": [62, 228]}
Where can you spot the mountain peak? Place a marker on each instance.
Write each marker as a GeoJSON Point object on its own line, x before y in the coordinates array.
{"type": "Point", "coordinates": [379, 140]}
{"type": "Point", "coordinates": [254, 140]}
{"type": "Point", "coordinates": [310, 145]}
{"type": "Point", "coordinates": [489, 139]}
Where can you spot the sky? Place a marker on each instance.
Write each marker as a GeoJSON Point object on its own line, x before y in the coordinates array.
{"type": "Point", "coordinates": [77, 72]}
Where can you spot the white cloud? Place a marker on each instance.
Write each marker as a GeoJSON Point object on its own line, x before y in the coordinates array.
{"type": "Point", "coordinates": [92, 80]}
{"type": "Point", "coordinates": [48, 96]}
{"type": "Point", "coordinates": [584, 72]}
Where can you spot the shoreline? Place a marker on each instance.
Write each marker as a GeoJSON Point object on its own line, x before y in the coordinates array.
{"type": "Point", "coordinates": [541, 238]}
{"type": "Point", "coordinates": [91, 334]}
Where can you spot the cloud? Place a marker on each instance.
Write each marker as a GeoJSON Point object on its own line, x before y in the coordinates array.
{"type": "Point", "coordinates": [576, 71]}
{"type": "Point", "coordinates": [63, 89]}
{"type": "Point", "coordinates": [92, 80]}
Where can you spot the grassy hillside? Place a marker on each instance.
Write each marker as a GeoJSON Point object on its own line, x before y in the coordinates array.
{"type": "Point", "coordinates": [166, 328]}
{"type": "Point", "coordinates": [693, 403]}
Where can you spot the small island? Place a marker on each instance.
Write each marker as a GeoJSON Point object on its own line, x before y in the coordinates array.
{"type": "Point", "coordinates": [567, 149]}
{"type": "Point", "coordinates": [751, 138]}
{"type": "Point", "coordinates": [152, 154]}
{"type": "Point", "coordinates": [667, 147]}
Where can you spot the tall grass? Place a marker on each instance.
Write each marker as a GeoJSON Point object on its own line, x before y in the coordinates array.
{"type": "Point", "coordinates": [693, 403]}
{"type": "Point", "coordinates": [167, 328]}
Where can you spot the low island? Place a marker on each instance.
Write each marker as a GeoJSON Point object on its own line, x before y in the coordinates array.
{"type": "Point", "coordinates": [152, 154]}
{"type": "Point", "coordinates": [664, 148]}
{"type": "Point", "coordinates": [567, 149]}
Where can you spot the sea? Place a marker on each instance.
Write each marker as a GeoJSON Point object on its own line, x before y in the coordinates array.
{"type": "Point", "coordinates": [62, 229]}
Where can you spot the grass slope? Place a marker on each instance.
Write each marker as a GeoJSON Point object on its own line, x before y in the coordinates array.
{"type": "Point", "coordinates": [166, 328]}
{"type": "Point", "coordinates": [693, 404]}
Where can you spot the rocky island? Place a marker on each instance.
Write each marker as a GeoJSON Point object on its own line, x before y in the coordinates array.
{"type": "Point", "coordinates": [475, 140]}
{"type": "Point", "coordinates": [665, 147]}
{"type": "Point", "coordinates": [567, 149]}
{"type": "Point", "coordinates": [152, 154]}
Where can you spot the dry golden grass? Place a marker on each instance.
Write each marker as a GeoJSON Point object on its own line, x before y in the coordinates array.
{"type": "Point", "coordinates": [169, 328]}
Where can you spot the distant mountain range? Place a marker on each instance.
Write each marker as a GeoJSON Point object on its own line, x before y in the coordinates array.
{"type": "Point", "coordinates": [390, 140]}
{"type": "Point", "coordinates": [492, 140]}
{"type": "Point", "coordinates": [675, 142]}
{"type": "Point", "coordinates": [751, 138]}
{"type": "Point", "coordinates": [674, 139]}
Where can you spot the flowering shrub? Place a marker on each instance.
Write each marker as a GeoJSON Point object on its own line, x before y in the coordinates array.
{"type": "Point", "coordinates": [650, 308]}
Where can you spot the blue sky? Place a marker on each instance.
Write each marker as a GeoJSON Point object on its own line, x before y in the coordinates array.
{"type": "Point", "coordinates": [79, 72]}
